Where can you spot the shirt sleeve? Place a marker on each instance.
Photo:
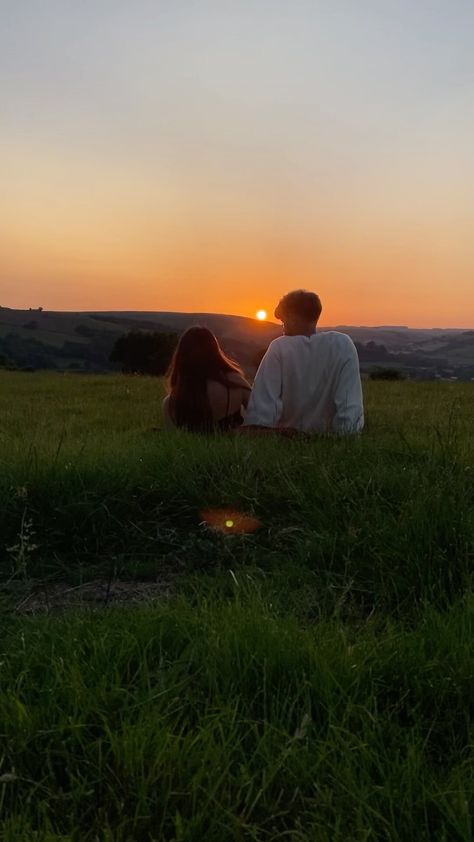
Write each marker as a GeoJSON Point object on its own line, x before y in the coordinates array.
{"type": "Point", "coordinates": [265, 404]}
{"type": "Point", "coordinates": [349, 416]}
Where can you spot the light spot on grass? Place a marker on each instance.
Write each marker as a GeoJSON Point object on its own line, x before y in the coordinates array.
{"type": "Point", "coordinates": [225, 520]}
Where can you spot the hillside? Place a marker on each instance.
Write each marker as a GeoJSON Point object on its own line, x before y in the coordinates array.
{"type": "Point", "coordinates": [83, 341]}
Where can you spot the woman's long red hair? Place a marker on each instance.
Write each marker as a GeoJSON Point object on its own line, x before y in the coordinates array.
{"type": "Point", "coordinates": [197, 359]}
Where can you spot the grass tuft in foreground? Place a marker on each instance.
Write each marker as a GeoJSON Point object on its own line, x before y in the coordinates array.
{"type": "Point", "coordinates": [226, 721]}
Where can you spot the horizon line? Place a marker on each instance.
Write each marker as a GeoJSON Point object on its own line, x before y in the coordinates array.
{"type": "Point", "coordinates": [232, 315]}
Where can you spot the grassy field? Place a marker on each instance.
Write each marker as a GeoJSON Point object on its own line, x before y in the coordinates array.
{"type": "Point", "coordinates": [309, 681]}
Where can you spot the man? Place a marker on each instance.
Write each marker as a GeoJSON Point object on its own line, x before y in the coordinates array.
{"type": "Point", "coordinates": [307, 381]}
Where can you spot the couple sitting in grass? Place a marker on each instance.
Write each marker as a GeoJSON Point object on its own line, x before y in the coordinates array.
{"type": "Point", "coordinates": [307, 381]}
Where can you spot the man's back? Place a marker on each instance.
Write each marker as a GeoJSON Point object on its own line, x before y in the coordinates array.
{"type": "Point", "coordinates": [311, 383]}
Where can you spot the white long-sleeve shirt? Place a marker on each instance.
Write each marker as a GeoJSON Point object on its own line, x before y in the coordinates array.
{"type": "Point", "coordinates": [310, 383]}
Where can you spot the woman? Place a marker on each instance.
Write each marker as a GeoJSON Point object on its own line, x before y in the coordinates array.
{"type": "Point", "coordinates": [206, 388]}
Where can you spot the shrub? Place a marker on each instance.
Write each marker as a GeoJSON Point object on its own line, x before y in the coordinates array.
{"type": "Point", "coordinates": [144, 352]}
{"type": "Point", "coordinates": [387, 374]}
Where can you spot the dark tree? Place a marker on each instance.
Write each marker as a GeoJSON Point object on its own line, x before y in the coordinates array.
{"type": "Point", "coordinates": [144, 352]}
{"type": "Point", "coordinates": [371, 352]}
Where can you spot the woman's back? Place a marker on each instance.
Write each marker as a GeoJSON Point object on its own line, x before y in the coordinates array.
{"type": "Point", "coordinates": [225, 403]}
{"type": "Point", "coordinates": [226, 399]}
{"type": "Point", "coordinates": [207, 388]}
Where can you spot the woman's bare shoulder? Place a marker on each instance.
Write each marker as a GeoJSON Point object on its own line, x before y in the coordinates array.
{"type": "Point", "coordinates": [238, 379]}
{"type": "Point", "coordinates": [232, 377]}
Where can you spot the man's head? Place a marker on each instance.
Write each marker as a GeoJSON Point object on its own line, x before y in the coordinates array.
{"type": "Point", "coordinates": [299, 311]}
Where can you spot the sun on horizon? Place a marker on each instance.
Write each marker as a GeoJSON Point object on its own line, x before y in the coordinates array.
{"type": "Point", "coordinates": [261, 315]}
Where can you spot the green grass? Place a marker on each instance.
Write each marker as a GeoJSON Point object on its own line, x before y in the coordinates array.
{"type": "Point", "coordinates": [224, 721]}
{"type": "Point", "coordinates": [311, 681]}
{"type": "Point", "coordinates": [385, 519]}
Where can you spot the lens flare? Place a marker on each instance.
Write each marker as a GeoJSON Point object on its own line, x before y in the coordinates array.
{"type": "Point", "coordinates": [229, 521]}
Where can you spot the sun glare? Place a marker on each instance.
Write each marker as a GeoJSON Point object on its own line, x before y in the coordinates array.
{"type": "Point", "coordinates": [261, 315]}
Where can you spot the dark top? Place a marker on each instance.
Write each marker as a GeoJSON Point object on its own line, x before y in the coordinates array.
{"type": "Point", "coordinates": [229, 422]}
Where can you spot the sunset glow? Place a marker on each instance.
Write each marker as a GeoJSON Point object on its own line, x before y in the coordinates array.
{"type": "Point", "coordinates": [161, 159]}
{"type": "Point", "coordinates": [261, 315]}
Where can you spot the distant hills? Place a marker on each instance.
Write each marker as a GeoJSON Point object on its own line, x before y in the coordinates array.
{"type": "Point", "coordinates": [83, 341]}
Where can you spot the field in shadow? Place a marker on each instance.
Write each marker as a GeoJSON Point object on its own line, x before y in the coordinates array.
{"type": "Point", "coordinates": [166, 675]}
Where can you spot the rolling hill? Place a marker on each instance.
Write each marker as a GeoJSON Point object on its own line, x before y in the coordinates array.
{"type": "Point", "coordinates": [83, 340]}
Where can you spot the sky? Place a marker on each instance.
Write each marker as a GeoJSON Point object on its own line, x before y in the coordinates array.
{"type": "Point", "coordinates": [208, 155]}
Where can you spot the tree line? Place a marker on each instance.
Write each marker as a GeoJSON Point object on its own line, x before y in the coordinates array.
{"type": "Point", "coordinates": [144, 352]}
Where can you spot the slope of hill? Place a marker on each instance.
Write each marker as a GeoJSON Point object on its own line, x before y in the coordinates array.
{"type": "Point", "coordinates": [236, 327]}
{"type": "Point", "coordinates": [83, 341]}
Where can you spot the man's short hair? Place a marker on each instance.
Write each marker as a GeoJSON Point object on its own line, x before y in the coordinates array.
{"type": "Point", "coordinates": [305, 305]}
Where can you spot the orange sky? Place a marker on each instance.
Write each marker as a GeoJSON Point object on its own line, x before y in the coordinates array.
{"type": "Point", "coordinates": [213, 161]}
